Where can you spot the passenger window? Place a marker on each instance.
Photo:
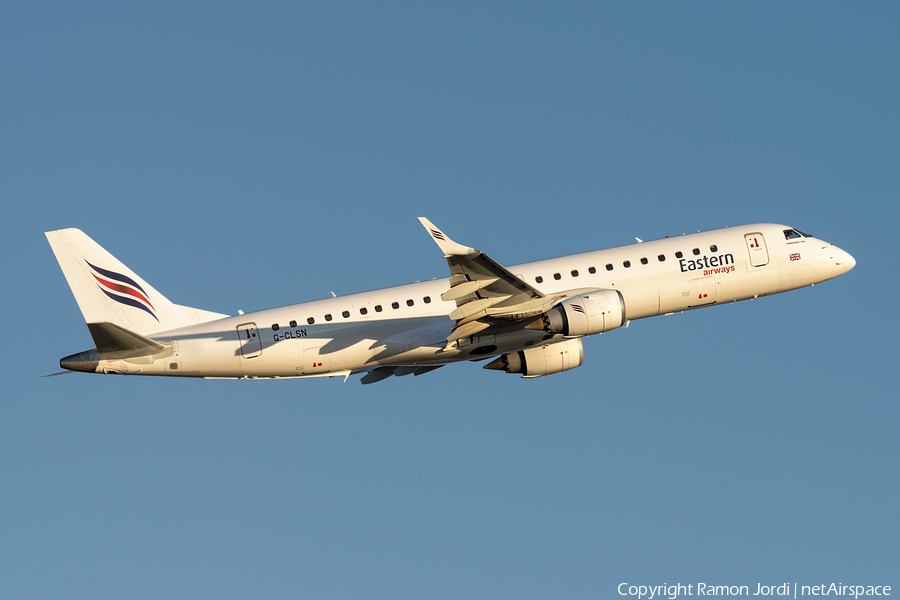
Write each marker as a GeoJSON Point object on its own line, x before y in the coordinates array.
{"type": "Point", "coordinates": [662, 258]}
{"type": "Point", "coordinates": [377, 308]}
{"type": "Point", "coordinates": [679, 254]}
{"type": "Point", "coordinates": [409, 302]}
{"type": "Point", "coordinates": [644, 261]}
{"type": "Point", "coordinates": [395, 305]}
{"type": "Point", "coordinates": [346, 314]}
{"type": "Point", "coordinates": [575, 273]}
{"type": "Point", "coordinates": [713, 248]}
{"type": "Point", "coordinates": [275, 327]}
{"type": "Point", "coordinates": [427, 299]}
{"type": "Point", "coordinates": [293, 323]}
{"type": "Point", "coordinates": [696, 251]}
{"type": "Point", "coordinates": [327, 317]}
{"type": "Point", "coordinates": [609, 267]}
{"type": "Point", "coordinates": [592, 270]}
{"type": "Point", "coordinates": [539, 279]}
{"type": "Point", "coordinates": [310, 320]}
{"type": "Point", "coordinates": [557, 276]}
{"type": "Point", "coordinates": [626, 264]}
{"type": "Point", "coordinates": [363, 310]}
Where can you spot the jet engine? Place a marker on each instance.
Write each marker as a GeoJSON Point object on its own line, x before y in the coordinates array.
{"type": "Point", "coordinates": [585, 314]}
{"type": "Point", "coordinates": [542, 360]}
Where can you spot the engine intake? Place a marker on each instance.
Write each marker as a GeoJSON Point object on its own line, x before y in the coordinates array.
{"type": "Point", "coordinates": [585, 314]}
{"type": "Point", "coordinates": [542, 360]}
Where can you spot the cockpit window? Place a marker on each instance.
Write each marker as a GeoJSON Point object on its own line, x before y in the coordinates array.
{"type": "Point", "coordinates": [803, 234]}
{"type": "Point", "coordinates": [791, 234]}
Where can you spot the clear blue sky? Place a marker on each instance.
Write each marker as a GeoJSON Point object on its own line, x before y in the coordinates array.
{"type": "Point", "coordinates": [243, 157]}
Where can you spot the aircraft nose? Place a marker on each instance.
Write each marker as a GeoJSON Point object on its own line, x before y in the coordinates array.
{"type": "Point", "coordinates": [843, 259]}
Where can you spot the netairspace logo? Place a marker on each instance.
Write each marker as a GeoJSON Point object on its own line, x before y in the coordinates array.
{"type": "Point", "coordinates": [649, 592]}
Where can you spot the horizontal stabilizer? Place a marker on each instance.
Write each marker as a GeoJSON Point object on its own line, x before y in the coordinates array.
{"type": "Point", "coordinates": [114, 341]}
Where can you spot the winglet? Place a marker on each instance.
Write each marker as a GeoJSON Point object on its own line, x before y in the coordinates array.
{"type": "Point", "coordinates": [447, 246]}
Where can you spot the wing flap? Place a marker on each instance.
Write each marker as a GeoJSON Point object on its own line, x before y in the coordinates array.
{"type": "Point", "coordinates": [466, 288]}
{"type": "Point", "coordinates": [474, 307]}
{"type": "Point", "coordinates": [467, 329]}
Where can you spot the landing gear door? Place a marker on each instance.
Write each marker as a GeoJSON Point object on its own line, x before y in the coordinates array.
{"type": "Point", "coordinates": [251, 347]}
{"type": "Point", "coordinates": [756, 246]}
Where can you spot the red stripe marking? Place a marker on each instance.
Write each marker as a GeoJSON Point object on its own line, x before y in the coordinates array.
{"type": "Point", "coordinates": [118, 287]}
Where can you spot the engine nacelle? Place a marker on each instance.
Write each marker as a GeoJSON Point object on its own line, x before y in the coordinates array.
{"type": "Point", "coordinates": [585, 314]}
{"type": "Point", "coordinates": [542, 360]}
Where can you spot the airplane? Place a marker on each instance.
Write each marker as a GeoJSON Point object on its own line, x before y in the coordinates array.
{"type": "Point", "coordinates": [529, 318]}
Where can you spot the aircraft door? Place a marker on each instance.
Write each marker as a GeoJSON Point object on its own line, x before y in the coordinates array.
{"type": "Point", "coordinates": [251, 346]}
{"type": "Point", "coordinates": [756, 245]}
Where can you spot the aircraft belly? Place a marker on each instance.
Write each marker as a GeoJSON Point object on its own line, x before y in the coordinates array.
{"type": "Point", "coordinates": [420, 340]}
{"type": "Point", "coordinates": [334, 355]}
{"type": "Point", "coordinates": [207, 356]}
{"type": "Point", "coordinates": [420, 355]}
{"type": "Point", "coordinates": [669, 294]}
{"type": "Point", "coordinates": [641, 299]}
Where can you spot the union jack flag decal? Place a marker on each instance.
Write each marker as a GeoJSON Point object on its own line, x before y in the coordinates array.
{"type": "Point", "coordinates": [795, 256]}
{"type": "Point", "coordinates": [122, 289]}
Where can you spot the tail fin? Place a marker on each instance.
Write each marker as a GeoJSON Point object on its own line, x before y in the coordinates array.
{"type": "Point", "coordinates": [108, 291]}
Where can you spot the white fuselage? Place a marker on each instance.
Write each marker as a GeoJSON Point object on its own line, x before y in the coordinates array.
{"type": "Point", "coordinates": [408, 325]}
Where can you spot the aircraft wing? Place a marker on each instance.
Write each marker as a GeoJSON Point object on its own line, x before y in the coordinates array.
{"type": "Point", "coordinates": [481, 288]}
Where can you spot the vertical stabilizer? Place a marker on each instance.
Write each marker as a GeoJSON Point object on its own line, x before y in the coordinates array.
{"type": "Point", "coordinates": [108, 291]}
